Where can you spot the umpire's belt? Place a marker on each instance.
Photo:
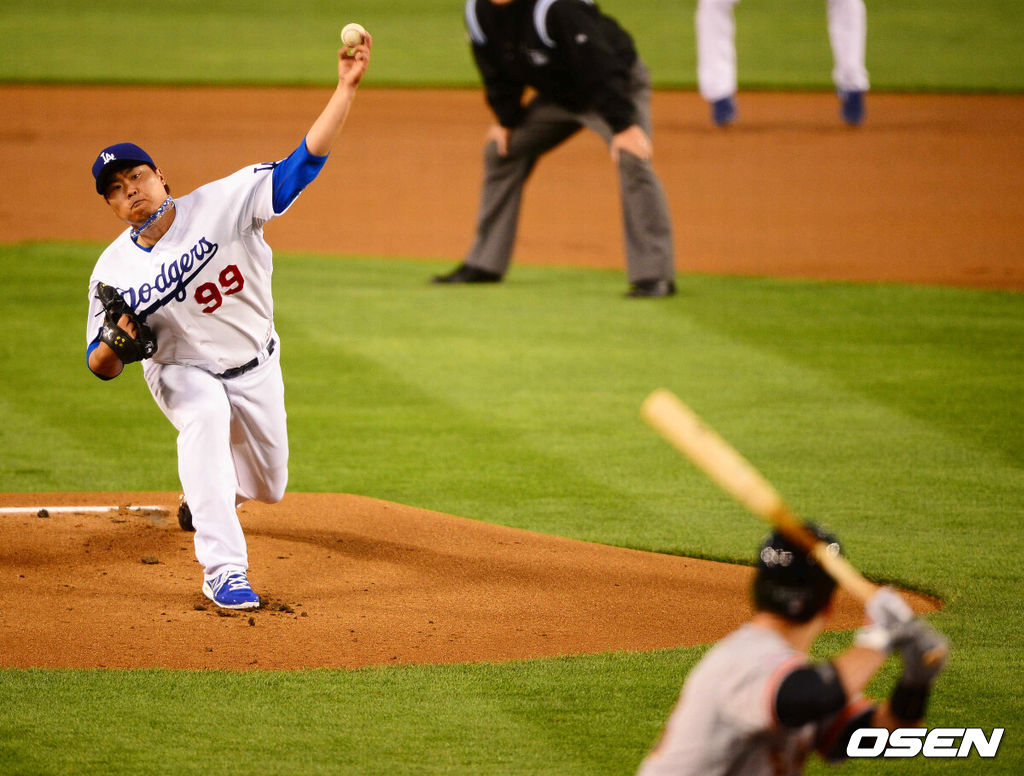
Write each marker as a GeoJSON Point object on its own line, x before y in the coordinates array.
{"type": "Point", "coordinates": [238, 371]}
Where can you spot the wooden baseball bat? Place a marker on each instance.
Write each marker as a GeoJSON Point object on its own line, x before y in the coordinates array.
{"type": "Point", "coordinates": [685, 431]}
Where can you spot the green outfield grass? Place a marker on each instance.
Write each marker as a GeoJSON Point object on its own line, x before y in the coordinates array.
{"type": "Point", "coordinates": [912, 44]}
{"type": "Point", "coordinates": [891, 413]}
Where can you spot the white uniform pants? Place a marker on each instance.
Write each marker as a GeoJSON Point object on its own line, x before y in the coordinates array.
{"type": "Point", "coordinates": [232, 447]}
{"type": "Point", "coordinates": [716, 46]}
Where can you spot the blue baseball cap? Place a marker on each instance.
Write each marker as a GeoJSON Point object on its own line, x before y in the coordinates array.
{"type": "Point", "coordinates": [117, 157]}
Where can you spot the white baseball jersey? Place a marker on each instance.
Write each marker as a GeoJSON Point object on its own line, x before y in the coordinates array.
{"type": "Point", "coordinates": [724, 722]}
{"type": "Point", "coordinates": [204, 288]}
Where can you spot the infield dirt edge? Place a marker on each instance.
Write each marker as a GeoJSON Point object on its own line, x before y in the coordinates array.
{"type": "Point", "coordinates": [347, 582]}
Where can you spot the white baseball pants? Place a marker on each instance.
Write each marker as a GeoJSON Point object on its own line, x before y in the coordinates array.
{"type": "Point", "coordinates": [716, 46]}
{"type": "Point", "coordinates": [232, 447]}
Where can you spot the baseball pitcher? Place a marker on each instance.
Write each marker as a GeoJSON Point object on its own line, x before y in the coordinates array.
{"type": "Point", "coordinates": [186, 289]}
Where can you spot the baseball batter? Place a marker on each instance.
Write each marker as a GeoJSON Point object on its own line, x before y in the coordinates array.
{"type": "Point", "coordinates": [187, 289]}
{"type": "Point", "coordinates": [755, 705]}
{"type": "Point", "coordinates": [716, 57]}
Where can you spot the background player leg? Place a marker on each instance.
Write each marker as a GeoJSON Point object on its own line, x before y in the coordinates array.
{"type": "Point", "coordinates": [847, 34]}
{"type": "Point", "coordinates": [716, 57]}
{"type": "Point", "coordinates": [647, 225]}
{"type": "Point", "coordinates": [545, 126]}
{"type": "Point", "coordinates": [647, 228]}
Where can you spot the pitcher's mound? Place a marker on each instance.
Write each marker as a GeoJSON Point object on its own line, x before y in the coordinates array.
{"type": "Point", "coordinates": [346, 581]}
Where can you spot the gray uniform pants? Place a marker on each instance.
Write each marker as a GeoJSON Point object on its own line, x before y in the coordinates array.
{"type": "Point", "coordinates": [646, 224]}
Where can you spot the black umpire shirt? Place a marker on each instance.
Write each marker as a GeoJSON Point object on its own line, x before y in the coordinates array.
{"type": "Point", "coordinates": [567, 50]}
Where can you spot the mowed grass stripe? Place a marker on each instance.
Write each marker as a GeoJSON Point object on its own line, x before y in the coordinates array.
{"type": "Point", "coordinates": [574, 715]}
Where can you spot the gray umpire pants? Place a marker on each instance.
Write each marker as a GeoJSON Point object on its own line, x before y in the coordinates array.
{"type": "Point", "coordinates": [646, 224]}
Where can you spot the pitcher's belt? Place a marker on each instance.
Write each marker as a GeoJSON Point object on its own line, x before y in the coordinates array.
{"type": "Point", "coordinates": [238, 371]}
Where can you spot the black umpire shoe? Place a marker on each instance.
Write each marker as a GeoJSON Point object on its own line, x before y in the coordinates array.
{"type": "Point", "coordinates": [651, 289]}
{"type": "Point", "coordinates": [467, 274]}
{"type": "Point", "coordinates": [185, 515]}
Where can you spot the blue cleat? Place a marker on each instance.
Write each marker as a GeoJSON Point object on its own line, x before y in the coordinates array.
{"type": "Point", "coordinates": [723, 111]}
{"type": "Point", "coordinates": [851, 107]}
{"type": "Point", "coordinates": [231, 590]}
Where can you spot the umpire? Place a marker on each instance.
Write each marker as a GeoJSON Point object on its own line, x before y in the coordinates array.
{"type": "Point", "coordinates": [585, 72]}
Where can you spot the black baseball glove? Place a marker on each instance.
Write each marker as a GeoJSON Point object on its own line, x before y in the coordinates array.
{"type": "Point", "coordinates": [125, 346]}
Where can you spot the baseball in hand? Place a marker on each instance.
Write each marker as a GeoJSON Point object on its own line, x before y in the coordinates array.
{"type": "Point", "coordinates": [352, 34]}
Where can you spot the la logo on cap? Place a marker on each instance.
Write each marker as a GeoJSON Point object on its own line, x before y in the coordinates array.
{"type": "Point", "coordinates": [107, 157]}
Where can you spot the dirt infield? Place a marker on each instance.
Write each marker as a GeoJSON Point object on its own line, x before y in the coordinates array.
{"type": "Point", "coordinates": [929, 190]}
{"type": "Point", "coordinates": [346, 582]}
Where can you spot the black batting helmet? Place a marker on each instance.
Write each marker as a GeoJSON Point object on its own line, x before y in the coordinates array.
{"type": "Point", "coordinates": [789, 582]}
